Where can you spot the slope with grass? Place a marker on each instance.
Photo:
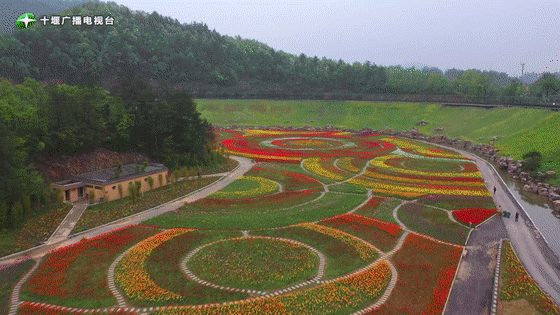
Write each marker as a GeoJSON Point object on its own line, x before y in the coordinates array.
{"type": "Point", "coordinates": [520, 130]}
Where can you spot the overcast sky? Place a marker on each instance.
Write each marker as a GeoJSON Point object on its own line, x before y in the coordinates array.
{"type": "Point", "coordinates": [497, 35]}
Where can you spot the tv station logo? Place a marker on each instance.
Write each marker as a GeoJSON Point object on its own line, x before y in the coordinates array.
{"type": "Point", "coordinates": [28, 19]}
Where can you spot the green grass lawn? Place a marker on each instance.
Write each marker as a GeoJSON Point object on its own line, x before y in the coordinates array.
{"type": "Point", "coordinates": [329, 205]}
{"type": "Point", "coordinates": [431, 165]}
{"type": "Point", "coordinates": [10, 276]}
{"type": "Point", "coordinates": [241, 184]}
{"type": "Point", "coordinates": [102, 213]}
{"type": "Point", "coordinates": [520, 130]}
{"type": "Point", "coordinates": [432, 222]}
{"type": "Point", "coordinates": [384, 211]}
{"type": "Point", "coordinates": [456, 202]}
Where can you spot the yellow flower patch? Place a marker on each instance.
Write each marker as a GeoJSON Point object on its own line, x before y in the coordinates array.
{"type": "Point", "coordinates": [266, 186]}
{"type": "Point", "coordinates": [131, 273]}
{"type": "Point", "coordinates": [345, 164]}
{"type": "Point", "coordinates": [393, 188]}
{"type": "Point", "coordinates": [364, 249]}
{"type": "Point", "coordinates": [376, 175]}
{"type": "Point", "coordinates": [422, 150]}
{"type": "Point", "coordinates": [313, 165]}
{"type": "Point", "coordinates": [380, 162]}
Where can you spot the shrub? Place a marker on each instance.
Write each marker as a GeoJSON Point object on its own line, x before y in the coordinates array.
{"type": "Point", "coordinates": [138, 185]}
{"type": "Point", "coordinates": [160, 179]}
{"type": "Point", "coordinates": [532, 161]}
{"type": "Point", "coordinates": [151, 182]}
{"type": "Point", "coordinates": [120, 191]}
{"type": "Point", "coordinates": [91, 197]}
{"type": "Point", "coordinates": [59, 196]}
{"type": "Point", "coordinates": [132, 191]}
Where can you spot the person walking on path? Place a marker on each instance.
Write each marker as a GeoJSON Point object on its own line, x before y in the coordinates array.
{"type": "Point", "coordinates": [516, 216]}
{"type": "Point", "coordinates": [494, 189]}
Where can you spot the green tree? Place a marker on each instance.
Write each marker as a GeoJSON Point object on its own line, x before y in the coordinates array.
{"type": "Point", "coordinates": [26, 207]}
{"type": "Point", "coordinates": [532, 161]}
{"type": "Point", "coordinates": [17, 214]}
{"type": "Point", "coordinates": [510, 93]}
{"type": "Point", "coordinates": [138, 187]}
{"type": "Point", "coordinates": [92, 197]}
{"type": "Point", "coordinates": [473, 83]}
{"type": "Point", "coordinates": [547, 85]}
{"type": "Point", "coordinates": [3, 215]}
{"type": "Point", "coordinates": [132, 192]}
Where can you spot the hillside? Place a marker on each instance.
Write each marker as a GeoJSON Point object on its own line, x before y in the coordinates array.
{"type": "Point", "coordinates": [210, 65]}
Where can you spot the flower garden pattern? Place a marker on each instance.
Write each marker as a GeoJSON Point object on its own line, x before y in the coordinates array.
{"type": "Point", "coordinates": [246, 249]}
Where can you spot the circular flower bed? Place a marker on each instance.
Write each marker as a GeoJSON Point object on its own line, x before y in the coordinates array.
{"type": "Point", "coordinates": [293, 146]}
{"type": "Point", "coordinates": [254, 263]}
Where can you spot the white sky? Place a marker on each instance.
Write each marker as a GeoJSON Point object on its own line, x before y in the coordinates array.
{"type": "Point", "coordinates": [497, 35]}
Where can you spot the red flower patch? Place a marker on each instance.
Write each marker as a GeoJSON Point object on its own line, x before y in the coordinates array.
{"type": "Point", "coordinates": [54, 279]}
{"type": "Point", "coordinates": [350, 218]}
{"type": "Point", "coordinates": [473, 215]}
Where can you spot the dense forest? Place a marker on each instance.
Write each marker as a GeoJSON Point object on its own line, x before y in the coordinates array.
{"type": "Point", "coordinates": [38, 121]}
{"type": "Point", "coordinates": [163, 51]}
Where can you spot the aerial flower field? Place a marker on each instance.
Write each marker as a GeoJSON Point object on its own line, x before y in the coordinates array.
{"type": "Point", "coordinates": [325, 223]}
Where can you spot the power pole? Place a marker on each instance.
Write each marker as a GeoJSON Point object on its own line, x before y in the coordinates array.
{"type": "Point", "coordinates": [522, 67]}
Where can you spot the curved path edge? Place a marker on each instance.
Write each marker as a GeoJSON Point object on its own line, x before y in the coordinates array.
{"type": "Point", "coordinates": [533, 250]}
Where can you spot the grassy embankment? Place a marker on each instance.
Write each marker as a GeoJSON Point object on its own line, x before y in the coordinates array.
{"type": "Point", "coordinates": [520, 130]}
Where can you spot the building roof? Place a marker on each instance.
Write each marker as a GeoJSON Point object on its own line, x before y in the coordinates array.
{"type": "Point", "coordinates": [108, 176]}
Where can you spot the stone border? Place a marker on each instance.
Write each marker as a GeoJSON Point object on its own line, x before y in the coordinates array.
{"type": "Point", "coordinates": [497, 279]}
{"type": "Point", "coordinates": [14, 298]}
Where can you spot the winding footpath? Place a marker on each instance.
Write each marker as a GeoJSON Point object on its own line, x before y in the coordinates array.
{"type": "Point", "coordinates": [531, 249]}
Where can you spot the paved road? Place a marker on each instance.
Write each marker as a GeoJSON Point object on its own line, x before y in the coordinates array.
{"type": "Point", "coordinates": [471, 292]}
{"type": "Point", "coordinates": [245, 165]}
{"type": "Point", "coordinates": [536, 256]}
